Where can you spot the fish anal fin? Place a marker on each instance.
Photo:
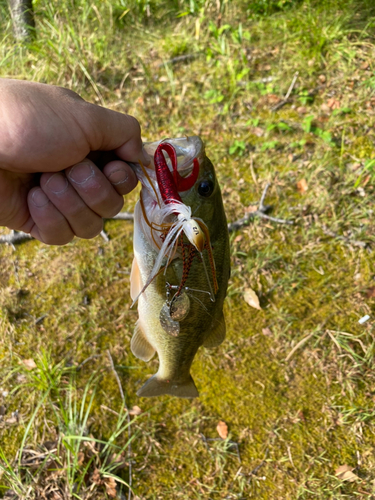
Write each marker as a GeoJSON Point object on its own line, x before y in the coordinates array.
{"type": "Point", "coordinates": [135, 280]}
{"type": "Point", "coordinates": [157, 386]}
{"type": "Point", "coordinates": [217, 334]}
{"type": "Point", "coordinates": [140, 346]}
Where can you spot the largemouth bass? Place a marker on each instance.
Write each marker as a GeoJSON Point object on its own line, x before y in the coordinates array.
{"type": "Point", "coordinates": [181, 263]}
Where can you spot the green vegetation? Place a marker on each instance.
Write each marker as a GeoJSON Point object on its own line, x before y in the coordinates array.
{"type": "Point", "coordinates": [295, 381]}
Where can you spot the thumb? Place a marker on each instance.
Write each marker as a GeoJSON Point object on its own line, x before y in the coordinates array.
{"type": "Point", "coordinates": [109, 130]}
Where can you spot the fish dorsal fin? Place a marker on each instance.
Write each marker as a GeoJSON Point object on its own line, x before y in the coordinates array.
{"type": "Point", "coordinates": [217, 334]}
{"type": "Point", "coordinates": [140, 346]}
{"type": "Point", "coordinates": [135, 280]}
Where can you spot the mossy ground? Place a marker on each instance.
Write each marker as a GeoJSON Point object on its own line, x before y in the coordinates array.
{"type": "Point", "coordinates": [295, 381]}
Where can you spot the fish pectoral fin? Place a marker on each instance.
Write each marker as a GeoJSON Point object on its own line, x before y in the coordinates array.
{"type": "Point", "coordinates": [135, 280]}
{"type": "Point", "coordinates": [140, 346]}
{"type": "Point", "coordinates": [157, 386]}
{"type": "Point", "coordinates": [217, 334]}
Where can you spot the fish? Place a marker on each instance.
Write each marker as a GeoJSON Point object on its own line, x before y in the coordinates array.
{"type": "Point", "coordinates": [181, 264]}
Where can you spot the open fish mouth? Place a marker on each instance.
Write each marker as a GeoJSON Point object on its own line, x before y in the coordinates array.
{"type": "Point", "coordinates": [187, 150]}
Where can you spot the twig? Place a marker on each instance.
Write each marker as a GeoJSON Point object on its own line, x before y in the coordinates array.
{"type": "Point", "coordinates": [177, 59]}
{"type": "Point", "coordinates": [104, 235]}
{"type": "Point", "coordinates": [15, 237]}
{"type": "Point", "coordinates": [262, 208]}
{"type": "Point", "coordinates": [252, 171]}
{"type": "Point", "coordinates": [123, 216]}
{"type": "Point", "coordinates": [286, 100]}
{"type": "Point", "coordinates": [129, 421]}
{"type": "Point", "coordinates": [355, 243]}
{"type": "Point", "coordinates": [40, 319]}
{"type": "Point", "coordinates": [300, 344]}
{"type": "Point", "coordinates": [90, 358]}
{"type": "Point", "coordinates": [260, 212]}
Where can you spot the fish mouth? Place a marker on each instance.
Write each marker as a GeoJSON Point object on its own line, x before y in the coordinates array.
{"type": "Point", "coordinates": [187, 148]}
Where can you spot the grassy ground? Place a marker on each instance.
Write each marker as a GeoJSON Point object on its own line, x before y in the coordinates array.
{"type": "Point", "coordinates": [295, 381]}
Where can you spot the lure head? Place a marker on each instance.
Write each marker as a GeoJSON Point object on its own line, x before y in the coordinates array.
{"type": "Point", "coordinates": [193, 233]}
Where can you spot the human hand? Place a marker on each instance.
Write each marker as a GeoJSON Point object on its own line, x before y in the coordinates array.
{"type": "Point", "coordinates": [50, 186]}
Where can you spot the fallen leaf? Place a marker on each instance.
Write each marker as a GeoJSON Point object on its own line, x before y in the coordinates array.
{"type": "Point", "coordinates": [135, 410]}
{"type": "Point", "coordinates": [325, 108]}
{"type": "Point", "coordinates": [251, 298]}
{"type": "Point", "coordinates": [333, 103]}
{"type": "Point", "coordinates": [301, 110]}
{"type": "Point", "coordinates": [222, 429]}
{"type": "Point", "coordinates": [344, 472]}
{"type": "Point", "coordinates": [370, 292]}
{"type": "Point", "coordinates": [302, 186]}
{"type": "Point", "coordinates": [322, 78]}
{"type": "Point", "coordinates": [11, 420]}
{"type": "Point", "coordinates": [266, 331]}
{"type": "Point", "coordinates": [251, 209]}
{"type": "Point", "coordinates": [29, 364]}
{"type": "Point", "coordinates": [81, 458]}
{"type": "Point", "coordinates": [110, 487]}
{"type": "Point", "coordinates": [272, 98]}
{"type": "Point", "coordinates": [96, 477]}
{"type": "Point", "coordinates": [258, 131]}
{"type": "Point", "coordinates": [238, 238]}
{"type": "Point", "coordinates": [365, 65]}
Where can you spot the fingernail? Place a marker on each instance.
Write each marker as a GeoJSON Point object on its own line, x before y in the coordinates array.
{"type": "Point", "coordinates": [39, 198]}
{"type": "Point", "coordinates": [58, 183]}
{"type": "Point", "coordinates": [118, 177]}
{"type": "Point", "coordinates": [81, 173]}
{"type": "Point", "coordinates": [146, 157]}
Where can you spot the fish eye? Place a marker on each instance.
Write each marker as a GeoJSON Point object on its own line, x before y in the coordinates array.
{"type": "Point", "coordinates": [206, 188]}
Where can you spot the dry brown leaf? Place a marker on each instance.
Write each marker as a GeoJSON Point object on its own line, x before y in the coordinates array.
{"type": "Point", "coordinates": [238, 238]}
{"type": "Point", "coordinates": [29, 364]}
{"type": "Point", "coordinates": [302, 186]}
{"type": "Point", "coordinates": [272, 98]}
{"type": "Point", "coordinates": [222, 429]}
{"type": "Point", "coordinates": [96, 477]}
{"type": "Point", "coordinates": [302, 110]}
{"type": "Point", "coordinates": [344, 472]}
{"type": "Point", "coordinates": [266, 331]}
{"type": "Point", "coordinates": [135, 410]}
{"type": "Point", "coordinates": [251, 209]}
{"type": "Point", "coordinates": [258, 131]}
{"type": "Point", "coordinates": [365, 65]}
{"type": "Point", "coordinates": [81, 458]}
{"type": "Point", "coordinates": [370, 292]}
{"type": "Point", "coordinates": [251, 298]}
{"type": "Point", "coordinates": [110, 487]}
{"type": "Point", "coordinates": [333, 103]}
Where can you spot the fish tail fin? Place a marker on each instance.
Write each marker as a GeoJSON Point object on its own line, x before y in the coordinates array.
{"type": "Point", "coordinates": [157, 386]}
